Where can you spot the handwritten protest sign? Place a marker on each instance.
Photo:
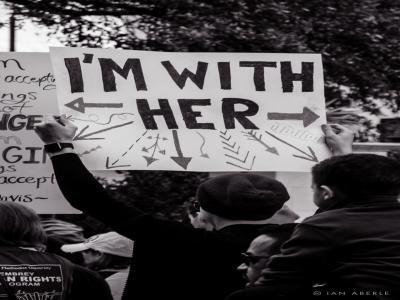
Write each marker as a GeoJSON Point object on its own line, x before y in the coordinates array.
{"type": "Point", "coordinates": [193, 111]}
{"type": "Point", "coordinates": [27, 93]}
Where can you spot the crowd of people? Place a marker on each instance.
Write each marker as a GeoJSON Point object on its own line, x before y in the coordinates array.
{"type": "Point", "coordinates": [243, 243]}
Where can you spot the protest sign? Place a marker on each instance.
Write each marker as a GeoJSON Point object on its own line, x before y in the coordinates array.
{"type": "Point", "coordinates": [193, 111]}
{"type": "Point", "coordinates": [27, 94]}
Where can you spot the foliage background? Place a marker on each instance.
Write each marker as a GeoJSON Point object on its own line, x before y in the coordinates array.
{"type": "Point", "coordinates": [359, 42]}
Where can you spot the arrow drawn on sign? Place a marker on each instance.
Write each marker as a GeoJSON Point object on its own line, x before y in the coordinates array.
{"type": "Point", "coordinates": [108, 167]}
{"type": "Point", "coordinates": [307, 116]}
{"type": "Point", "coordinates": [155, 146]}
{"type": "Point", "coordinates": [252, 135]}
{"type": "Point", "coordinates": [309, 157]}
{"type": "Point", "coordinates": [127, 151]}
{"type": "Point", "coordinates": [180, 159]}
{"type": "Point", "coordinates": [81, 136]}
{"type": "Point", "coordinates": [79, 105]}
{"type": "Point", "coordinates": [203, 154]}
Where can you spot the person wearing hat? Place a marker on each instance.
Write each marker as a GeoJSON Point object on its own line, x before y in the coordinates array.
{"type": "Point", "coordinates": [172, 260]}
{"type": "Point", "coordinates": [109, 254]}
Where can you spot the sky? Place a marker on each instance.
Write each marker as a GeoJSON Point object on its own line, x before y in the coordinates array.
{"type": "Point", "coordinates": [30, 37]}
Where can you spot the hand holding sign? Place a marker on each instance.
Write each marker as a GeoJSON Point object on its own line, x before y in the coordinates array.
{"type": "Point", "coordinates": [338, 138]}
{"type": "Point", "coordinates": [61, 130]}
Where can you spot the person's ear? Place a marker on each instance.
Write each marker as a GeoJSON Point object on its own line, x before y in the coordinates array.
{"type": "Point", "coordinates": [326, 192]}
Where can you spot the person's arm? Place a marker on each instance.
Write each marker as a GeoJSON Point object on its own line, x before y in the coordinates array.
{"type": "Point", "coordinates": [84, 192]}
{"type": "Point", "coordinates": [338, 138]}
{"type": "Point", "coordinates": [304, 260]}
{"type": "Point", "coordinates": [78, 185]}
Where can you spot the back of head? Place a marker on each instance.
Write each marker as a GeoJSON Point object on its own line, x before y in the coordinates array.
{"type": "Point", "coordinates": [359, 176]}
{"type": "Point", "coordinates": [20, 226]}
{"type": "Point", "coordinates": [242, 196]}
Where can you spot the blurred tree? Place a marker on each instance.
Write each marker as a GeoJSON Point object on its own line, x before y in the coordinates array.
{"type": "Point", "coordinates": [358, 39]}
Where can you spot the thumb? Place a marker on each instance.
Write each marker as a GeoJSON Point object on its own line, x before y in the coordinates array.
{"type": "Point", "coordinates": [63, 120]}
{"type": "Point", "coordinates": [327, 130]}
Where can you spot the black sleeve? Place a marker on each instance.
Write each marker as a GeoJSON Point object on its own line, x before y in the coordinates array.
{"type": "Point", "coordinates": [87, 284]}
{"type": "Point", "coordinates": [304, 259]}
{"type": "Point", "coordinates": [84, 192]}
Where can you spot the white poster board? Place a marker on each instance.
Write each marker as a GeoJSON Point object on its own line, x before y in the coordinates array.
{"type": "Point", "coordinates": [27, 94]}
{"type": "Point", "coordinates": [193, 111]}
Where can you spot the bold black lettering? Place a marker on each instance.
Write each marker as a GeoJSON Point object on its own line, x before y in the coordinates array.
{"type": "Point", "coordinates": [75, 74]}
{"type": "Point", "coordinates": [32, 155]}
{"type": "Point", "coordinates": [180, 79]}
{"type": "Point", "coordinates": [4, 121]}
{"type": "Point", "coordinates": [306, 76]}
{"type": "Point", "coordinates": [224, 70]}
{"type": "Point", "coordinates": [6, 158]}
{"type": "Point", "coordinates": [108, 67]}
{"type": "Point", "coordinates": [148, 114]}
{"type": "Point", "coordinates": [229, 113]}
{"type": "Point", "coordinates": [259, 78]}
{"type": "Point", "coordinates": [13, 126]}
{"type": "Point", "coordinates": [32, 121]}
{"type": "Point", "coordinates": [87, 58]}
{"type": "Point", "coordinates": [189, 116]}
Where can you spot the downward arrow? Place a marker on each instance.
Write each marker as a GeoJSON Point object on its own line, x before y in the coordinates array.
{"type": "Point", "coordinates": [180, 159]}
{"type": "Point", "coordinates": [80, 136]}
{"type": "Point", "coordinates": [307, 156]}
{"type": "Point", "coordinates": [150, 160]}
{"type": "Point", "coordinates": [307, 116]}
{"type": "Point", "coordinates": [79, 105]}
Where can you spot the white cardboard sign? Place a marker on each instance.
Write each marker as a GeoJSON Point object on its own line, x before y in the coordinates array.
{"type": "Point", "coordinates": [27, 94]}
{"type": "Point", "coordinates": [193, 111]}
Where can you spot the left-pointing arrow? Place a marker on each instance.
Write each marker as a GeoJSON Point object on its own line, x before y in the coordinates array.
{"type": "Point", "coordinates": [81, 136]}
{"type": "Point", "coordinates": [79, 105]}
{"type": "Point", "coordinates": [307, 116]}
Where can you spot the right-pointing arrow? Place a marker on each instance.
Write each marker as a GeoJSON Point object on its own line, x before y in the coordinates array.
{"type": "Point", "coordinates": [307, 116]}
{"type": "Point", "coordinates": [308, 156]}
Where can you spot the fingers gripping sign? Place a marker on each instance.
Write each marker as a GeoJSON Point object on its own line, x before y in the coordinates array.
{"type": "Point", "coordinates": [338, 138]}
{"type": "Point", "coordinates": [57, 129]}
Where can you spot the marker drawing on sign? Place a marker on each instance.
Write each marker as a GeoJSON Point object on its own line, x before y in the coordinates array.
{"type": "Point", "coordinates": [203, 154]}
{"type": "Point", "coordinates": [307, 116]}
{"type": "Point", "coordinates": [244, 162]}
{"type": "Point", "coordinates": [93, 118]}
{"type": "Point", "coordinates": [180, 159]}
{"type": "Point", "coordinates": [81, 136]}
{"type": "Point", "coordinates": [130, 148]}
{"type": "Point", "coordinates": [252, 135]}
{"type": "Point", "coordinates": [108, 166]}
{"type": "Point", "coordinates": [155, 146]}
{"type": "Point", "coordinates": [79, 105]}
{"type": "Point", "coordinates": [307, 156]}
{"type": "Point", "coordinates": [90, 151]}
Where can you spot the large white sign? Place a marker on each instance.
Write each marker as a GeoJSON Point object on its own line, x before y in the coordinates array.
{"type": "Point", "coordinates": [27, 94]}
{"type": "Point", "coordinates": [193, 111]}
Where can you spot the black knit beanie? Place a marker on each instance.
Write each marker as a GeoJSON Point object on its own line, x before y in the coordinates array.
{"type": "Point", "coordinates": [242, 196]}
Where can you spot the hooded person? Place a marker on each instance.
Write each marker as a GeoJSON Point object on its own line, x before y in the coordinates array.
{"type": "Point", "coordinates": [173, 260]}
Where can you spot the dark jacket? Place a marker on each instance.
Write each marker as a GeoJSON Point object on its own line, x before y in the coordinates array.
{"type": "Point", "coordinates": [33, 275]}
{"type": "Point", "coordinates": [171, 260]}
{"type": "Point", "coordinates": [354, 249]}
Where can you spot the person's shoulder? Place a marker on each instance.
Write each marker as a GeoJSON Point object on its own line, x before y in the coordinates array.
{"type": "Point", "coordinates": [324, 216]}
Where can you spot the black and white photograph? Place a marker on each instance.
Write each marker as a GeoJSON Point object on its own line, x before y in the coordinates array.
{"type": "Point", "coordinates": [199, 150]}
